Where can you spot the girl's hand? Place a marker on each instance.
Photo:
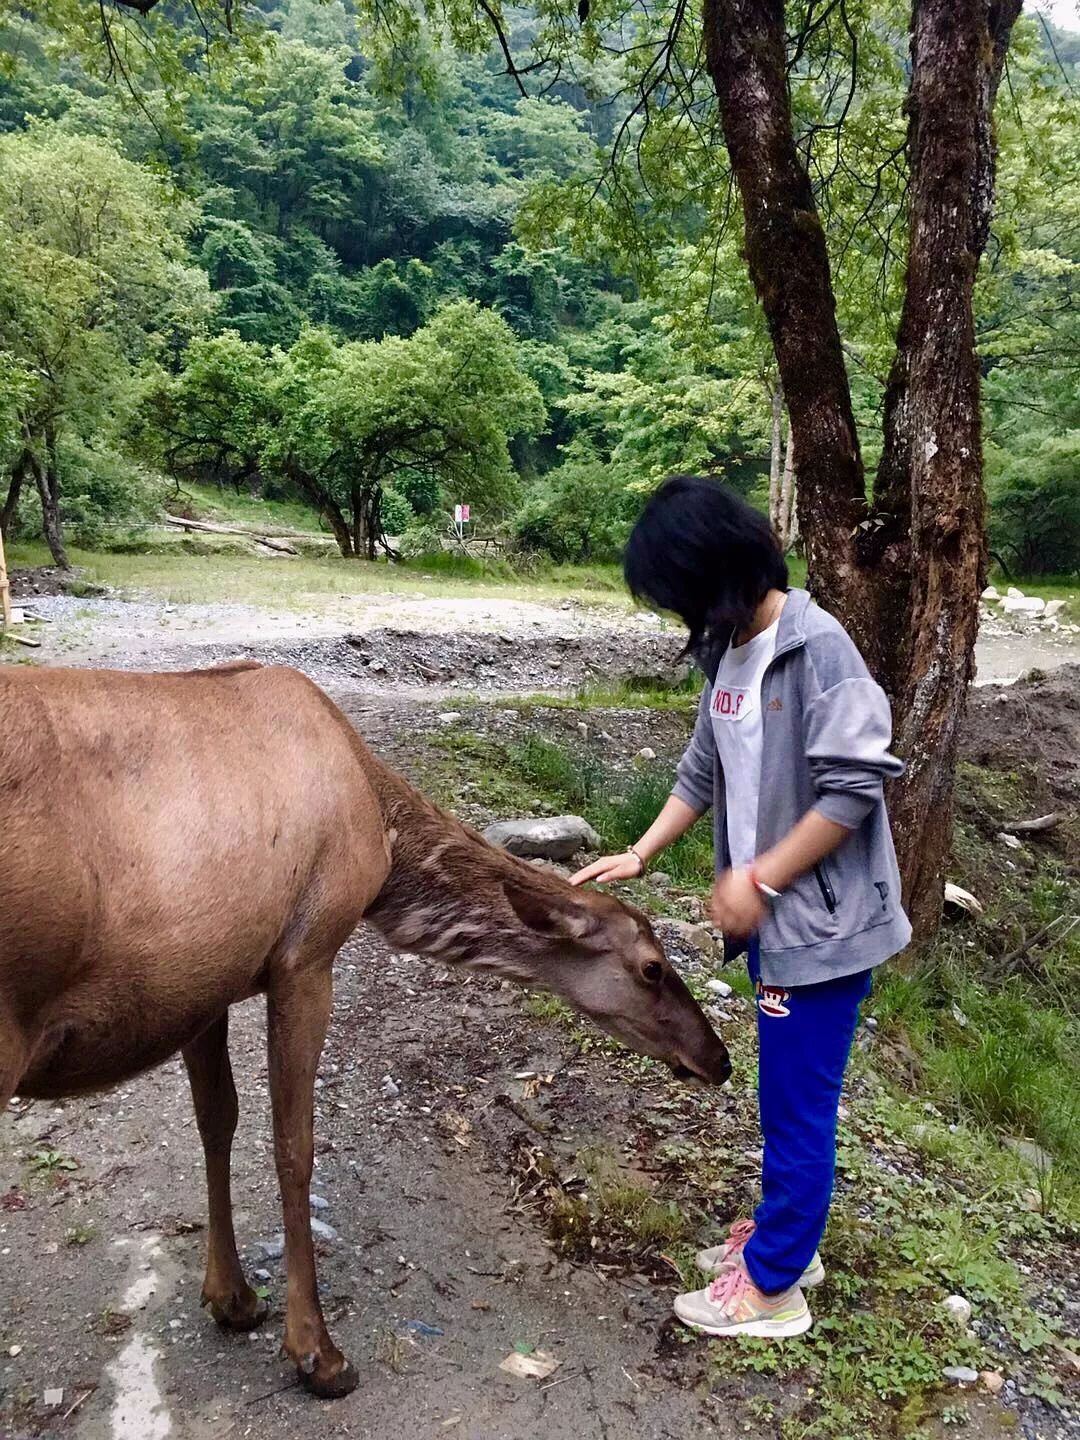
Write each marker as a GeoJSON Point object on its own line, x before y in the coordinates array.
{"type": "Point", "coordinates": [610, 867]}
{"type": "Point", "coordinates": [736, 906]}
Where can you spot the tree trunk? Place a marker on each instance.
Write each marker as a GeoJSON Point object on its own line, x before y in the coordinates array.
{"type": "Point", "coordinates": [776, 445]}
{"type": "Point", "coordinates": [785, 250]}
{"type": "Point", "coordinates": [47, 481]}
{"type": "Point", "coordinates": [11, 504]}
{"type": "Point", "coordinates": [905, 578]}
{"type": "Point", "coordinates": [789, 518]}
{"type": "Point", "coordinates": [932, 576]}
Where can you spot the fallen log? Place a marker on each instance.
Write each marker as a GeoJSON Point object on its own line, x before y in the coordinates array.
{"type": "Point", "coordinates": [209, 527]}
{"type": "Point", "coordinates": [1032, 827]}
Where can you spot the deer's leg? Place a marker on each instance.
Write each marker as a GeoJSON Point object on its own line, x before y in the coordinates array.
{"type": "Point", "coordinates": [298, 1005]}
{"type": "Point", "coordinates": [232, 1301]}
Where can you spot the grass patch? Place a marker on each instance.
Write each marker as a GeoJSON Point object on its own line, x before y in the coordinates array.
{"type": "Point", "coordinates": [180, 576]}
{"type": "Point", "coordinates": [619, 806]}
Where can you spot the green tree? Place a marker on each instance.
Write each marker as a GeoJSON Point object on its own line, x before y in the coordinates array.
{"type": "Point", "coordinates": [93, 285]}
{"type": "Point", "coordinates": [443, 403]}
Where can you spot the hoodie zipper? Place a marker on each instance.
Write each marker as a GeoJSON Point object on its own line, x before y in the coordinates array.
{"type": "Point", "coordinates": [828, 894]}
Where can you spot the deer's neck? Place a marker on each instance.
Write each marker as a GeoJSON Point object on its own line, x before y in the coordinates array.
{"type": "Point", "coordinates": [443, 896]}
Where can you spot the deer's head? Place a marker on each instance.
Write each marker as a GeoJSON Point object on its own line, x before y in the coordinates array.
{"type": "Point", "coordinates": [601, 955]}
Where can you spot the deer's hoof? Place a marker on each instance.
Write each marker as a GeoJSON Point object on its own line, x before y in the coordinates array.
{"type": "Point", "coordinates": [242, 1311]}
{"type": "Point", "coordinates": [329, 1382]}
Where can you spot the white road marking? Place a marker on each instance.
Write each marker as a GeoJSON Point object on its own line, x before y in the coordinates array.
{"type": "Point", "coordinates": [139, 1411]}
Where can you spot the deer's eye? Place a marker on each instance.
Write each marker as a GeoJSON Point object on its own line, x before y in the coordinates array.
{"type": "Point", "coordinates": [653, 972]}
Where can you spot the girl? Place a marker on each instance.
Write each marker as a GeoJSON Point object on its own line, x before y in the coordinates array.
{"type": "Point", "coordinates": [791, 749]}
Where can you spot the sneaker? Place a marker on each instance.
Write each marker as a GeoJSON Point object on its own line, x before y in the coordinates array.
{"type": "Point", "coordinates": [733, 1305]}
{"type": "Point", "coordinates": [719, 1257]}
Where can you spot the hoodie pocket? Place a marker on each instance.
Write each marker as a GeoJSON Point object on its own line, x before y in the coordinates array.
{"type": "Point", "coordinates": [828, 894]}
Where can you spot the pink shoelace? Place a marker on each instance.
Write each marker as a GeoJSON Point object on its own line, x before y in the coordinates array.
{"type": "Point", "coordinates": [738, 1235]}
{"type": "Point", "coordinates": [728, 1289]}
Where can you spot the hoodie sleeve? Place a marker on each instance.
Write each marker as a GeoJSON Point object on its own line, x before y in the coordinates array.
{"type": "Point", "coordinates": [847, 731]}
{"type": "Point", "coordinates": [694, 776]}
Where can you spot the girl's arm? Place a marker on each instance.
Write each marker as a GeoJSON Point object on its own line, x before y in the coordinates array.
{"type": "Point", "coordinates": [738, 906]}
{"type": "Point", "coordinates": [674, 820]}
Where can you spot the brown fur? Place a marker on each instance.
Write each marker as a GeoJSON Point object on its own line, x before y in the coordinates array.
{"type": "Point", "coordinates": [171, 844]}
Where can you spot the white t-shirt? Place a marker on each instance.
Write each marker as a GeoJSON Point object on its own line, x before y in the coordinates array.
{"type": "Point", "coordinates": [737, 726]}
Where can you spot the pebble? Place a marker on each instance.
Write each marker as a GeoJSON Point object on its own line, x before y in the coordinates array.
{"type": "Point", "coordinates": [318, 1203]}
{"type": "Point", "coordinates": [449, 717]}
{"type": "Point", "coordinates": [646, 753]}
{"type": "Point", "coordinates": [870, 1023]}
{"type": "Point", "coordinates": [389, 1089]}
{"type": "Point", "coordinates": [958, 1308]}
{"type": "Point", "coordinates": [272, 1249]}
{"type": "Point", "coordinates": [322, 1231]}
{"type": "Point", "coordinates": [719, 987]}
{"type": "Point", "coordinates": [960, 1374]}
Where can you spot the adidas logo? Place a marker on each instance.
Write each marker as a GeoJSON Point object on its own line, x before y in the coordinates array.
{"type": "Point", "coordinates": [775, 703]}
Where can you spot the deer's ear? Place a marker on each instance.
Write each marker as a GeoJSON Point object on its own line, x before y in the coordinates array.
{"type": "Point", "coordinates": [549, 913]}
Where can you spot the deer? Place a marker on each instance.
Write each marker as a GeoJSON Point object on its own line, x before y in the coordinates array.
{"type": "Point", "coordinates": [174, 843]}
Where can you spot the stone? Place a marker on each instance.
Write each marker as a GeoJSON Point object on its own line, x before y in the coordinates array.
{"type": "Point", "coordinates": [1010, 840]}
{"type": "Point", "coordinates": [449, 717]}
{"type": "Point", "coordinates": [377, 666]}
{"type": "Point", "coordinates": [697, 936]}
{"type": "Point", "coordinates": [660, 879]}
{"type": "Point", "coordinates": [1023, 605]}
{"type": "Point", "coordinates": [1012, 593]}
{"type": "Point", "coordinates": [990, 593]}
{"type": "Point", "coordinates": [557, 838]}
{"type": "Point", "coordinates": [271, 1249]}
{"type": "Point", "coordinates": [1054, 607]}
{"type": "Point", "coordinates": [992, 1380]}
{"type": "Point", "coordinates": [960, 1374]}
{"type": "Point", "coordinates": [646, 753]}
{"type": "Point", "coordinates": [719, 987]}
{"type": "Point", "coordinates": [1032, 1154]}
{"type": "Point", "coordinates": [322, 1231]}
{"type": "Point", "coordinates": [389, 1089]}
{"type": "Point", "coordinates": [958, 1308]}
{"type": "Point", "coordinates": [317, 1203]}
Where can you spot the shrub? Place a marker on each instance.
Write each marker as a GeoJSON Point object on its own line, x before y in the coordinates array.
{"type": "Point", "coordinates": [582, 512]}
{"type": "Point", "coordinates": [1035, 506]}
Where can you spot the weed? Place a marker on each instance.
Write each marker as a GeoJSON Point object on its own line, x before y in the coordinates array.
{"type": "Point", "coordinates": [79, 1235]}
{"type": "Point", "coordinates": [51, 1162]}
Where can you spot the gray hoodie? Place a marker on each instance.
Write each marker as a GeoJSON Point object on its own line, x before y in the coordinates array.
{"type": "Point", "coordinates": [825, 746]}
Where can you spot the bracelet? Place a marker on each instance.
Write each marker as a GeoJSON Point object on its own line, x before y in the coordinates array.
{"type": "Point", "coordinates": [760, 886]}
{"type": "Point", "coordinates": [631, 851]}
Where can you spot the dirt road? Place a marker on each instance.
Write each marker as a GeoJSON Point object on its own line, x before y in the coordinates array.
{"type": "Point", "coordinates": [153, 634]}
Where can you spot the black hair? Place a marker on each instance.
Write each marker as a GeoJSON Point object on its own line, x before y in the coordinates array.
{"type": "Point", "coordinates": [702, 552]}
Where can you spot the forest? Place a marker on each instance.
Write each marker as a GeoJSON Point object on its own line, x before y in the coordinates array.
{"type": "Point", "coordinates": [382, 278]}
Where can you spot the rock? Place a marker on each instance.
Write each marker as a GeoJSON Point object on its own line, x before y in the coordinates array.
{"type": "Point", "coordinates": [696, 936]}
{"type": "Point", "coordinates": [377, 666]}
{"type": "Point", "coordinates": [271, 1249]}
{"type": "Point", "coordinates": [322, 1231]}
{"type": "Point", "coordinates": [1010, 840]}
{"type": "Point", "coordinates": [1023, 605]}
{"type": "Point", "coordinates": [660, 879]}
{"type": "Point", "coordinates": [719, 987]}
{"type": "Point", "coordinates": [506, 639]}
{"type": "Point", "coordinates": [449, 717]}
{"type": "Point", "coordinates": [990, 593]}
{"type": "Point", "coordinates": [389, 1089]}
{"type": "Point", "coordinates": [317, 1203]}
{"type": "Point", "coordinates": [960, 1374]}
{"type": "Point", "coordinates": [583, 729]}
{"type": "Point", "coordinates": [1054, 607]}
{"type": "Point", "coordinates": [870, 1023]}
{"type": "Point", "coordinates": [558, 838]}
{"type": "Point", "coordinates": [1034, 1155]}
{"type": "Point", "coordinates": [992, 1380]}
{"type": "Point", "coordinates": [1012, 593]}
{"type": "Point", "coordinates": [263, 1276]}
{"type": "Point", "coordinates": [958, 1308]}
{"type": "Point", "coordinates": [645, 753]}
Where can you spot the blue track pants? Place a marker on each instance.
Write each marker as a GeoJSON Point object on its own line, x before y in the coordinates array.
{"type": "Point", "coordinates": [804, 1040]}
